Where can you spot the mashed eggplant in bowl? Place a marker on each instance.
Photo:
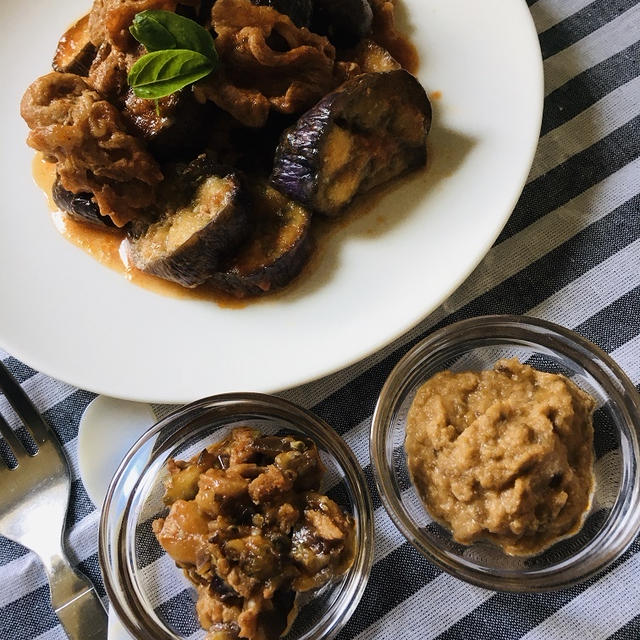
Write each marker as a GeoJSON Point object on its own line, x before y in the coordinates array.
{"type": "Point", "coordinates": [208, 136]}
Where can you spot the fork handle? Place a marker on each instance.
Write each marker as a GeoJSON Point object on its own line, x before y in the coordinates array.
{"type": "Point", "coordinates": [76, 603]}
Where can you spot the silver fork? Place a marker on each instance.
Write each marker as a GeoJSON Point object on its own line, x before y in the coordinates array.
{"type": "Point", "coordinates": [33, 504]}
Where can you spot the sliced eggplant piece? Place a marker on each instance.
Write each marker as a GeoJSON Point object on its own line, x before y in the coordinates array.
{"type": "Point", "coordinates": [275, 252]}
{"type": "Point", "coordinates": [299, 11]}
{"type": "Point", "coordinates": [175, 128]}
{"type": "Point", "coordinates": [75, 51]}
{"type": "Point", "coordinates": [344, 22]}
{"type": "Point", "coordinates": [79, 206]}
{"type": "Point", "coordinates": [372, 129]}
{"type": "Point", "coordinates": [206, 219]}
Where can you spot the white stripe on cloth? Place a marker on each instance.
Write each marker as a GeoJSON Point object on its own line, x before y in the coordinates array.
{"type": "Point", "coordinates": [627, 356]}
{"type": "Point", "coordinates": [593, 124]}
{"type": "Point", "coordinates": [599, 45]}
{"type": "Point", "coordinates": [32, 577]}
{"type": "Point", "coordinates": [429, 611]}
{"type": "Point", "coordinates": [162, 580]}
{"type": "Point", "coordinates": [548, 13]}
{"type": "Point", "coordinates": [596, 289]}
{"type": "Point", "coordinates": [503, 261]}
{"type": "Point", "coordinates": [598, 611]}
{"type": "Point", "coordinates": [57, 633]}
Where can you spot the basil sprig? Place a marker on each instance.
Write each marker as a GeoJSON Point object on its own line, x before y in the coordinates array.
{"type": "Point", "coordinates": [180, 52]}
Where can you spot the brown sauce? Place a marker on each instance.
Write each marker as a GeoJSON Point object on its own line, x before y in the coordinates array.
{"type": "Point", "coordinates": [105, 247]}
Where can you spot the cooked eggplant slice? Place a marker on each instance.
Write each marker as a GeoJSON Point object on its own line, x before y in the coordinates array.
{"type": "Point", "coordinates": [175, 128]}
{"type": "Point", "coordinates": [371, 129]}
{"type": "Point", "coordinates": [344, 22]}
{"type": "Point", "coordinates": [79, 206]}
{"type": "Point", "coordinates": [299, 11]}
{"type": "Point", "coordinates": [75, 52]}
{"type": "Point", "coordinates": [276, 250]}
{"type": "Point", "coordinates": [206, 219]}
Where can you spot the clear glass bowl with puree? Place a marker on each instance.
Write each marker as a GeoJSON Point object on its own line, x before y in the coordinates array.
{"type": "Point", "coordinates": [613, 519]}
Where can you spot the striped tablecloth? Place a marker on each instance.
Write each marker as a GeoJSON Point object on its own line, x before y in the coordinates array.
{"type": "Point", "coordinates": [570, 253]}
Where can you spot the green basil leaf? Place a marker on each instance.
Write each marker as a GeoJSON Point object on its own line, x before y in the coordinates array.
{"type": "Point", "coordinates": [161, 73]}
{"type": "Point", "coordinates": [159, 29]}
{"type": "Point", "coordinates": [151, 33]}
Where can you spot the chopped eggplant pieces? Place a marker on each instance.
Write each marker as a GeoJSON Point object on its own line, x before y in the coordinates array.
{"type": "Point", "coordinates": [367, 132]}
{"type": "Point", "coordinates": [206, 218]}
{"type": "Point", "coordinates": [276, 250]}
{"type": "Point", "coordinates": [344, 22]}
{"type": "Point", "coordinates": [79, 206]}
{"type": "Point", "coordinates": [251, 542]}
{"type": "Point", "coordinates": [299, 11]}
{"type": "Point", "coordinates": [75, 51]}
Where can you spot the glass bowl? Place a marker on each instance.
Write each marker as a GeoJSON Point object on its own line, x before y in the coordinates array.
{"type": "Point", "coordinates": [149, 593]}
{"type": "Point", "coordinates": [614, 518]}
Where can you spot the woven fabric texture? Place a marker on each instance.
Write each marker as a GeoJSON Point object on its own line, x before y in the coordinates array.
{"type": "Point", "coordinates": [570, 253]}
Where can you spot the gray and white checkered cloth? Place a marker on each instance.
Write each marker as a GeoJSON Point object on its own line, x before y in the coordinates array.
{"type": "Point", "coordinates": [570, 253]}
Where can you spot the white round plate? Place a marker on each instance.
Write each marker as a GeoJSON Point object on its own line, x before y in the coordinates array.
{"type": "Point", "coordinates": [68, 316]}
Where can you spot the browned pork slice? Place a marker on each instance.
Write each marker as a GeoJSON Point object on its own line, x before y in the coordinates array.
{"type": "Point", "coordinates": [267, 63]}
{"type": "Point", "coordinates": [85, 135]}
{"type": "Point", "coordinates": [109, 20]}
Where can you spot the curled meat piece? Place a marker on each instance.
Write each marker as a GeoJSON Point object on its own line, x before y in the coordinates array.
{"type": "Point", "coordinates": [108, 72]}
{"type": "Point", "coordinates": [386, 34]}
{"type": "Point", "coordinates": [267, 63]}
{"type": "Point", "coordinates": [73, 126]}
{"type": "Point", "coordinates": [109, 20]}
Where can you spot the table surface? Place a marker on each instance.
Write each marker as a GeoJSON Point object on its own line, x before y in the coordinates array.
{"type": "Point", "coordinates": [570, 253]}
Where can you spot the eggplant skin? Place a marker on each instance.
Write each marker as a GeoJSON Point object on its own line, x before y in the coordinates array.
{"type": "Point", "coordinates": [300, 11]}
{"type": "Point", "coordinates": [275, 252]}
{"type": "Point", "coordinates": [206, 220]}
{"type": "Point", "coordinates": [75, 51]}
{"type": "Point", "coordinates": [372, 129]}
{"type": "Point", "coordinates": [344, 22]}
{"type": "Point", "coordinates": [82, 207]}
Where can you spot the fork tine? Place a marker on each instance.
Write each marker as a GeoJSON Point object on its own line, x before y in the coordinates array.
{"type": "Point", "coordinates": [11, 439]}
{"type": "Point", "coordinates": [21, 404]}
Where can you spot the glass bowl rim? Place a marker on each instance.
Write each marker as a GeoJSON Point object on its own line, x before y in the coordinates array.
{"type": "Point", "coordinates": [530, 331]}
{"type": "Point", "coordinates": [261, 406]}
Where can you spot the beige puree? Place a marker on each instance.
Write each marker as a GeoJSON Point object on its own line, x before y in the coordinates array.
{"type": "Point", "coordinates": [504, 455]}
